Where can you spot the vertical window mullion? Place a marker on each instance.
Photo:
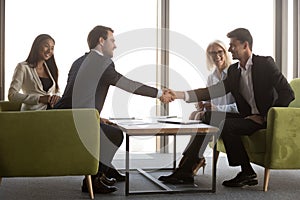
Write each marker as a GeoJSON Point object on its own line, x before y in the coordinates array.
{"type": "Point", "coordinates": [2, 48]}
{"type": "Point", "coordinates": [162, 64]}
{"type": "Point", "coordinates": [281, 35]}
{"type": "Point", "coordinates": [296, 39]}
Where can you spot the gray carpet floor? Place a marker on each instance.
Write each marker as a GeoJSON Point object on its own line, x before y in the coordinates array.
{"type": "Point", "coordinates": [284, 184]}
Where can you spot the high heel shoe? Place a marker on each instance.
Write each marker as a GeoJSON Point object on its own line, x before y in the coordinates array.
{"type": "Point", "coordinates": [200, 163]}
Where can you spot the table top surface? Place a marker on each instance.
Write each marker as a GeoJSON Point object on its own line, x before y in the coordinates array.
{"type": "Point", "coordinates": [153, 127]}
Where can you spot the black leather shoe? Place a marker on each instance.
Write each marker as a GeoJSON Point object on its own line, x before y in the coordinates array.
{"type": "Point", "coordinates": [107, 181]}
{"type": "Point", "coordinates": [178, 177]}
{"type": "Point", "coordinates": [241, 180]}
{"type": "Point", "coordinates": [113, 173]}
{"type": "Point", "coordinates": [98, 187]}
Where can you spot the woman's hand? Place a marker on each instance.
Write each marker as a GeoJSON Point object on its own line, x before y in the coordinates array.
{"type": "Point", "coordinates": [199, 106]}
{"type": "Point", "coordinates": [209, 106]}
{"type": "Point", "coordinates": [45, 99]}
{"type": "Point", "coordinates": [53, 100]}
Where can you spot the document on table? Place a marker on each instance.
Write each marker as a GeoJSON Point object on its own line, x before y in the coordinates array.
{"type": "Point", "coordinates": [179, 121]}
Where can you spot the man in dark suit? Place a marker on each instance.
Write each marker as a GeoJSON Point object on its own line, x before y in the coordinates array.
{"type": "Point", "coordinates": [256, 84]}
{"type": "Point", "coordinates": [88, 82]}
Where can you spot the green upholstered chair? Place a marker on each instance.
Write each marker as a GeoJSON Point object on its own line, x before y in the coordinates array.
{"type": "Point", "coordinates": [277, 146]}
{"type": "Point", "coordinates": [9, 106]}
{"type": "Point", "coordinates": [49, 143]}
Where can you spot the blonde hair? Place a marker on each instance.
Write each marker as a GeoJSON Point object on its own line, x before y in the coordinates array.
{"type": "Point", "coordinates": [209, 61]}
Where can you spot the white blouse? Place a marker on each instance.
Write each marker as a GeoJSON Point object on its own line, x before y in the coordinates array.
{"type": "Point", "coordinates": [225, 103]}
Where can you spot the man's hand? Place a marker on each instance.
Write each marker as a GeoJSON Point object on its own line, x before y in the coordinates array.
{"type": "Point", "coordinates": [168, 96]}
{"type": "Point", "coordinates": [106, 121]}
{"type": "Point", "coordinates": [256, 118]}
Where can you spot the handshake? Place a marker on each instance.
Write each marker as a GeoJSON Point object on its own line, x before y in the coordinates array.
{"type": "Point", "coordinates": [168, 96]}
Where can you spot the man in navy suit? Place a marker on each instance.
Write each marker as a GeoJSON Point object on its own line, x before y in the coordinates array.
{"type": "Point", "coordinates": [257, 85]}
{"type": "Point", "coordinates": [88, 82]}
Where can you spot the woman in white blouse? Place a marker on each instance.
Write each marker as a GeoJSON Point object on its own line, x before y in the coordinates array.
{"type": "Point", "coordinates": [218, 61]}
{"type": "Point", "coordinates": [35, 81]}
{"type": "Point", "coordinates": [210, 112]}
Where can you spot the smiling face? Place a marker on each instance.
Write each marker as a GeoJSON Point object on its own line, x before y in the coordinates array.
{"type": "Point", "coordinates": [46, 49]}
{"type": "Point", "coordinates": [236, 48]}
{"type": "Point", "coordinates": [217, 54]}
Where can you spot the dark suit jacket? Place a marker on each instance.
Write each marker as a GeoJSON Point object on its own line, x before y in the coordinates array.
{"type": "Point", "coordinates": [89, 79]}
{"type": "Point", "coordinates": [270, 87]}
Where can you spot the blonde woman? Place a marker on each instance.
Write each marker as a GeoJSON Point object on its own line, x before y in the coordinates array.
{"type": "Point", "coordinates": [218, 61]}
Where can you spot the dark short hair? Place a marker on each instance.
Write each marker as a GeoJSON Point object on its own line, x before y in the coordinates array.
{"type": "Point", "coordinates": [96, 33]}
{"type": "Point", "coordinates": [241, 34]}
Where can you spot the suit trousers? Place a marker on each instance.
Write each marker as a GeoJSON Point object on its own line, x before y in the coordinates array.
{"type": "Point", "coordinates": [198, 143]}
{"type": "Point", "coordinates": [111, 138]}
{"type": "Point", "coordinates": [231, 130]}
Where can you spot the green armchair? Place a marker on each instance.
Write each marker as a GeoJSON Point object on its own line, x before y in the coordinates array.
{"type": "Point", "coordinates": [277, 146]}
{"type": "Point", "coordinates": [49, 143]}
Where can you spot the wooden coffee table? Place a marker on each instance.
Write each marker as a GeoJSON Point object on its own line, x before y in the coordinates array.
{"type": "Point", "coordinates": [141, 128]}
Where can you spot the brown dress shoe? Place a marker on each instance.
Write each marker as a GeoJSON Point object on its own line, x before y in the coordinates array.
{"type": "Point", "coordinates": [98, 186]}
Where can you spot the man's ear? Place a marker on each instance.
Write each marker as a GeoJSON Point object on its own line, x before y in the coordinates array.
{"type": "Point", "coordinates": [245, 45]}
{"type": "Point", "coordinates": [101, 41]}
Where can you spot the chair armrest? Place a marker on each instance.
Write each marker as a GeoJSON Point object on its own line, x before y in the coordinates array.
{"type": "Point", "coordinates": [10, 106]}
{"type": "Point", "coordinates": [283, 138]}
{"type": "Point", "coordinates": [49, 143]}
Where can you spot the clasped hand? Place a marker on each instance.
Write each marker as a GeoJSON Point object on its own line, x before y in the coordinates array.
{"type": "Point", "coordinates": [48, 99]}
{"type": "Point", "coordinates": [168, 96]}
{"type": "Point", "coordinates": [205, 106]}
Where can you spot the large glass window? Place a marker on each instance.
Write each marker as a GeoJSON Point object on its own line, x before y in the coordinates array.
{"type": "Point", "coordinates": [194, 24]}
{"type": "Point", "coordinates": [69, 23]}
{"type": "Point", "coordinates": [201, 22]}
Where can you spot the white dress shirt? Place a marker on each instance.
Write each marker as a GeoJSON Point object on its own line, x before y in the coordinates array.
{"type": "Point", "coordinates": [246, 85]}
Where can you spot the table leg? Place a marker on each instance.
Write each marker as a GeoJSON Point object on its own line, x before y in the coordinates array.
{"type": "Point", "coordinates": [174, 153]}
{"type": "Point", "coordinates": [127, 166]}
{"type": "Point", "coordinates": [214, 169]}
